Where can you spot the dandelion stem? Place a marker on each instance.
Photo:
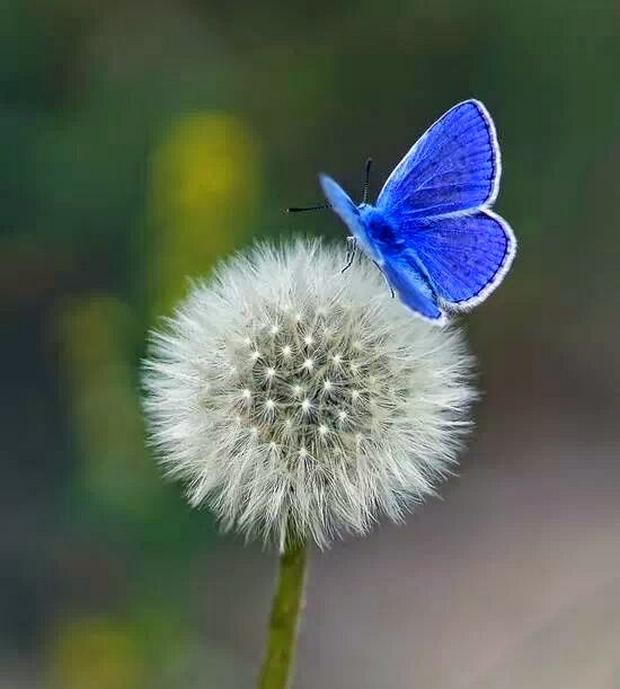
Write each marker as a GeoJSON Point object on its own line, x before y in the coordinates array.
{"type": "Point", "coordinates": [284, 621]}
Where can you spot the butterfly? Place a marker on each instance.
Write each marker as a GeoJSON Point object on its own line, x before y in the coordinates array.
{"type": "Point", "coordinates": [432, 231]}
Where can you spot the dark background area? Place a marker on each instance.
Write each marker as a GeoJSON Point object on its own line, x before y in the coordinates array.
{"type": "Point", "coordinates": [139, 142]}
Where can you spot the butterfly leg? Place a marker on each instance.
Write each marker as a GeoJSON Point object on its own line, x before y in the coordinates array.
{"type": "Point", "coordinates": [387, 282]}
{"type": "Point", "coordinates": [351, 248]}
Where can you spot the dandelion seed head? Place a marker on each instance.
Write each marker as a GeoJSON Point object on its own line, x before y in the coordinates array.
{"type": "Point", "coordinates": [287, 396]}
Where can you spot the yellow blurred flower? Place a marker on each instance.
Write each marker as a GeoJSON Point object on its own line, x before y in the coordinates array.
{"type": "Point", "coordinates": [96, 653]}
{"type": "Point", "coordinates": [204, 187]}
{"type": "Point", "coordinates": [95, 333]}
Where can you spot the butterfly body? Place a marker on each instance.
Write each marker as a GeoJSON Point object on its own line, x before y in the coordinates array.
{"type": "Point", "coordinates": [432, 231]}
{"type": "Point", "coordinates": [389, 249]}
{"type": "Point", "coordinates": [382, 231]}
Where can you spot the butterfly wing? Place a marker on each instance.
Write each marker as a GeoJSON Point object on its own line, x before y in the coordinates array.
{"type": "Point", "coordinates": [455, 166]}
{"type": "Point", "coordinates": [405, 276]}
{"type": "Point", "coordinates": [341, 203]}
{"type": "Point", "coordinates": [464, 257]}
{"type": "Point", "coordinates": [438, 199]}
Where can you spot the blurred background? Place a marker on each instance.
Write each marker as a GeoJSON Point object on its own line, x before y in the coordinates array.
{"type": "Point", "coordinates": [139, 142]}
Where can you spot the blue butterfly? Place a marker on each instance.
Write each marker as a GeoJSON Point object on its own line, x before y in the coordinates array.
{"type": "Point", "coordinates": [432, 232]}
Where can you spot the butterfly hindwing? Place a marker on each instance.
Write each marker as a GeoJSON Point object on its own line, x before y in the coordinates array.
{"type": "Point", "coordinates": [465, 257]}
{"type": "Point", "coordinates": [455, 166]}
{"type": "Point", "coordinates": [407, 280]}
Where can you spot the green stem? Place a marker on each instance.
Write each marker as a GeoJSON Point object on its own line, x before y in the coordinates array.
{"type": "Point", "coordinates": [284, 620]}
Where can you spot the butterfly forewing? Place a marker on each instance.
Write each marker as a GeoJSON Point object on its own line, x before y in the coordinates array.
{"type": "Point", "coordinates": [455, 166]}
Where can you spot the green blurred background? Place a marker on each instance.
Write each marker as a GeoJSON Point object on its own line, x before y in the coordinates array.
{"type": "Point", "coordinates": [139, 142]}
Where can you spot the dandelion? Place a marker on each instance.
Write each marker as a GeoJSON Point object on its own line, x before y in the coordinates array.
{"type": "Point", "coordinates": [301, 404]}
{"type": "Point", "coordinates": [292, 398]}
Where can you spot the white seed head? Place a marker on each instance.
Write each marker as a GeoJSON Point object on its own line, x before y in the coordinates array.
{"type": "Point", "coordinates": [290, 397]}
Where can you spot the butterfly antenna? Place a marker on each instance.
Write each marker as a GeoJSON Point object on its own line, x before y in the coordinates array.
{"type": "Point", "coordinates": [366, 180]}
{"type": "Point", "coordinates": [303, 209]}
